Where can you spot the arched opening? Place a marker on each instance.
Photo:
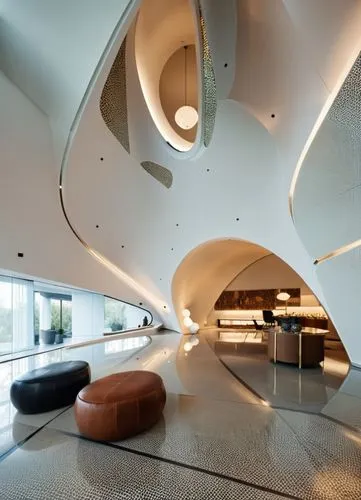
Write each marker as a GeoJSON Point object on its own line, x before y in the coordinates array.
{"type": "Point", "coordinates": [227, 285]}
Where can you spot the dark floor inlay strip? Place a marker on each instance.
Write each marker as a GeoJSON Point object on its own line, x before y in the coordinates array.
{"type": "Point", "coordinates": [185, 466]}
{"type": "Point", "coordinates": [25, 440]}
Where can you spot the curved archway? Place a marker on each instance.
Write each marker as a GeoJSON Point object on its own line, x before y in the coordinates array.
{"type": "Point", "coordinates": [209, 268]}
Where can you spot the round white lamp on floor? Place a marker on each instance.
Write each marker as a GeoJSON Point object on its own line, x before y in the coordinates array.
{"type": "Point", "coordinates": [186, 313]}
{"type": "Point", "coordinates": [187, 322]}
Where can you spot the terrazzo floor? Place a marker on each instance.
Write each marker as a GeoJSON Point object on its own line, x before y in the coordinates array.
{"type": "Point", "coordinates": [217, 438]}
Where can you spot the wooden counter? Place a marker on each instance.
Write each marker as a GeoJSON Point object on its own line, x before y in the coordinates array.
{"type": "Point", "coordinates": [302, 349]}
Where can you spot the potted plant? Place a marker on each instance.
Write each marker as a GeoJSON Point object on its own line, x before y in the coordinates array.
{"type": "Point", "coordinates": [116, 326]}
{"type": "Point", "coordinates": [296, 326]}
{"type": "Point", "coordinates": [47, 337]}
{"type": "Point", "coordinates": [59, 336]}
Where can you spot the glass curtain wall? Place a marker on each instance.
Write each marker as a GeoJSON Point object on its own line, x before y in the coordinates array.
{"type": "Point", "coordinates": [31, 313]}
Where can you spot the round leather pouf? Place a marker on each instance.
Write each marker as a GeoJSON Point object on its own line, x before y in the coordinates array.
{"type": "Point", "coordinates": [120, 405]}
{"type": "Point", "coordinates": [50, 387]}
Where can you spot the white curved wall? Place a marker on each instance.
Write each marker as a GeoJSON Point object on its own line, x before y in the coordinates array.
{"type": "Point", "coordinates": [51, 49]}
{"type": "Point", "coordinates": [328, 191]}
{"type": "Point", "coordinates": [31, 220]}
{"type": "Point", "coordinates": [205, 272]}
{"type": "Point", "coordinates": [285, 50]}
{"type": "Point", "coordinates": [158, 227]}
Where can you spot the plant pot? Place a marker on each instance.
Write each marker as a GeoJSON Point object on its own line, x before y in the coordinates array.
{"type": "Point", "coordinates": [58, 338]}
{"type": "Point", "coordinates": [47, 337]}
{"type": "Point", "coordinates": [286, 326]}
{"type": "Point", "coordinates": [296, 327]}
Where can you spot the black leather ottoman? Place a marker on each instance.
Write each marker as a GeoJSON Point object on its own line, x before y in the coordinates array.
{"type": "Point", "coordinates": [50, 387]}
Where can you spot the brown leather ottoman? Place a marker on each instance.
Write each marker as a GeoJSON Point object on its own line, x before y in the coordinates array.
{"type": "Point", "coordinates": [120, 405]}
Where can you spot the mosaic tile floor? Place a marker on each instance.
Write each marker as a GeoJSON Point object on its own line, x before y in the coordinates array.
{"type": "Point", "coordinates": [62, 467]}
{"type": "Point", "coordinates": [210, 444]}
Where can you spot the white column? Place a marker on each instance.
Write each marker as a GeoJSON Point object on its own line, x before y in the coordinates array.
{"type": "Point", "coordinates": [23, 314]}
{"type": "Point", "coordinates": [44, 313]}
{"type": "Point", "coordinates": [87, 315]}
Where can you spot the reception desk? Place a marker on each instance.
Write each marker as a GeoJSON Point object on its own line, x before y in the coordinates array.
{"type": "Point", "coordinates": [303, 349]}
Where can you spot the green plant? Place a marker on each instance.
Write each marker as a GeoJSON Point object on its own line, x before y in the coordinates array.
{"type": "Point", "coordinates": [116, 326]}
{"type": "Point", "coordinates": [61, 331]}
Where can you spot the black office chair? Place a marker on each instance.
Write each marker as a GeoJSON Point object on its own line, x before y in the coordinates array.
{"type": "Point", "coordinates": [268, 318]}
{"type": "Point", "coordinates": [256, 325]}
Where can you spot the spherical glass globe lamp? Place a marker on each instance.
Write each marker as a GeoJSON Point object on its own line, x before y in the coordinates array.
{"type": "Point", "coordinates": [186, 117]}
{"type": "Point", "coordinates": [186, 313]}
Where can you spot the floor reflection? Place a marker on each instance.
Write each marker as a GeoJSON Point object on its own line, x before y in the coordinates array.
{"type": "Point", "coordinates": [333, 389]}
{"type": "Point", "coordinates": [104, 358]}
{"type": "Point", "coordinates": [214, 427]}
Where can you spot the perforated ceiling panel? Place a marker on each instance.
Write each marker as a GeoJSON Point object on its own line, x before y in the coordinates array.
{"type": "Point", "coordinates": [346, 109]}
{"type": "Point", "coordinates": [113, 101]}
{"type": "Point", "coordinates": [162, 174]}
{"type": "Point", "coordinates": [208, 85]}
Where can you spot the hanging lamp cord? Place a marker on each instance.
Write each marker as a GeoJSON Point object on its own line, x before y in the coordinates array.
{"type": "Point", "coordinates": [185, 75]}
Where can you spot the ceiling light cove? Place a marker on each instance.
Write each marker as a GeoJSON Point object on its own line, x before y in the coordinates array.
{"type": "Point", "coordinates": [168, 51]}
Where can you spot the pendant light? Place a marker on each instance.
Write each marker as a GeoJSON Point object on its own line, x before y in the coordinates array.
{"type": "Point", "coordinates": [186, 116]}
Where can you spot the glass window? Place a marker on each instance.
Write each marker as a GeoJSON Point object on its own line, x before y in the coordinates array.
{"type": "Point", "coordinates": [114, 315]}
{"type": "Point", "coordinates": [61, 315]}
{"type": "Point", "coordinates": [119, 316]}
{"type": "Point", "coordinates": [52, 309]}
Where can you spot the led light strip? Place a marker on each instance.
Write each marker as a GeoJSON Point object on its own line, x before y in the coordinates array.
{"type": "Point", "coordinates": [319, 121]}
{"type": "Point", "coordinates": [153, 300]}
{"type": "Point", "coordinates": [330, 100]}
{"type": "Point", "coordinates": [339, 251]}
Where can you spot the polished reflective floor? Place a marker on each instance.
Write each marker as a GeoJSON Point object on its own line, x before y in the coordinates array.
{"type": "Point", "coordinates": [219, 438]}
{"type": "Point", "coordinates": [333, 389]}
